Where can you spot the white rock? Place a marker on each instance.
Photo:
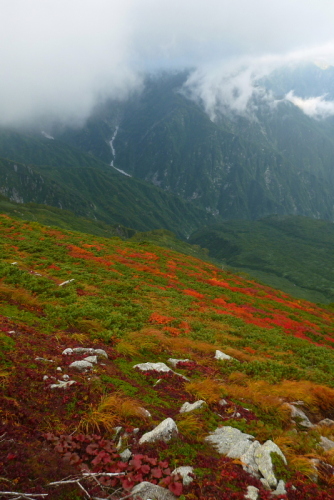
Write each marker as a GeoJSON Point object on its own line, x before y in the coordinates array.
{"type": "Point", "coordinates": [223, 402]}
{"type": "Point", "coordinates": [326, 421]}
{"type": "Point", "coordinates": [223, 438]}
{"type": "Point", "coordinates": [190, 407]}
{"type": "Point", "coordinates": [67, 352]}
{"type": "Point", "coordinates": [148, 491]}
{"type": "Point", "coordinates": [264, 462]}
{"type": "Point", "coordinates": [248, 460]}
{"type": "Point", "coordinates": [252, 493]}
{"type": "Point", "coordinates": [101, 352]}
{"type": "Point", "coordinates": [91, 359]}
{"type": "Point", "coordinates": [83, 350]}
{"type": "Point", "coordinates": [59, 369]}
{"type": "Point", "coordinates": [221, 355]}
{"type": "Point", "coordinates": [280, 490]}
{"type": "Point", "coordinates": [239, 448]}
{"type": "Point", "coordinates": [82, 365]}
{"type": "Point", "coordinates": [125, 455]}
{"type": "Point", "coordinates": [62, 384]}
{"type": "Point", "coordinates": [44, 360]}
{"type": "Point", "coordinates": [174, 362]}
{"type": "Point", "coordinates": [145, 412]}
{"type": "Point", "coordinates": [165, 431]}
{"type": "Point", "coordinates": [298, 414]}
{"type": "Point", "coordinates": [265, 484]}
{"type": "Point", "coordinates": [185, 472]}
{"type": "Point", "coordinates": [158, 367]}
{"type": "Point", "coordinates": [326, 443]}
{"type": "Point", "coordinates": [45, 377]}
{"type": "Point", "coordinates": [66, 377]}
{"type": "Point", "coordinates": [66, 282]}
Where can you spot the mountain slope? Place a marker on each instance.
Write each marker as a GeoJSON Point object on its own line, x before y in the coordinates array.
{"type": "Point", "coordinates": [278, 160]}
{"type": "Point", "coordinates": [292, 253]}
{"type": "Point", "coordinates": [96, 191]}
{"type": "Point", "coordinates": [139, 303]}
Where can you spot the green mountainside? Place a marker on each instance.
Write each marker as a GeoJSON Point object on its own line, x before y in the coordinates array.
{"type": "Point", "coordinates": [291, 253]}
{"type": "Point", "coordinates": [278, 160]}
{"type": "Point", "coordinates": [92, 190]}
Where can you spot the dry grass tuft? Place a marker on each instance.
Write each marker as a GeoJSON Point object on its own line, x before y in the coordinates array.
{"type": "Point", "coordinates": [209, 390]}
{"type": "Point", "coordinates": [191, 427]}
{"type": "Point", "coordinates": [113, 409]}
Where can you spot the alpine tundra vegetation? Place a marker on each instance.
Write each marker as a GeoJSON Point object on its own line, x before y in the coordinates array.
{"type": "Point", "coordinates": [131, 370]}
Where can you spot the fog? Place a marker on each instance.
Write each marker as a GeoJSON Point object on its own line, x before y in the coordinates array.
{"type": "Point", "coordinates": [60, 58]}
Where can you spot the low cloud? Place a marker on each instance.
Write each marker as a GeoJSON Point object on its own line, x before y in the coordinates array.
{"type": "Point", "coordinates": [316, 107]}
{"type": "Point", "coordinates": [59, 58]}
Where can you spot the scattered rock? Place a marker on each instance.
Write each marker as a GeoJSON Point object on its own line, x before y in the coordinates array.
{"type": "Point", "coordinates": [157, 367]}
{"type": "Point", "coordinates": [185, 472]}
{"type": "Point", "coordinates": [165, 431]}
{"type": "Point", "coordinates": [249, 462]}
{"type": "Point", "coordinates": [174, 362]}
{"type": "Point", "coordinates": [299, 415]}
{"type": "Point", "coordinates": [326, 443]}
{"type": "Point", "coordinates": [101, 352]}
{"type": "Point", "coordinates": [59, 369]}
{"type": "Point", "coordinates": [239, 448]}
{"type": "Point", "coordinates": [327, 422]}
{"type": "Point", "coordinates": [66, 377]}
{"type": "Point", "coordinates": [125, 455]}
{"type": "Point", "coordinates": [252, 493]}
{"type": "Point", "coordinates": [221, 355]}
{"type": "Point", "coordinates": [66, 282]}
{"type": "Point", "coordinates": [280, 490]}
{"type": "Point", "coordinates": [148, 491]}
{"type": "Point", "coordinates": [82, 365]}
{"type": "Point", "coordinates": [263, 460]}
{"type": "Point", "coordinates": [145, 413]}
{"type": "Point", "coordinates": [190, 407]}
{"type": "Point", "coordinates": [44, 359]}
{"type": "Point", "coordinates": [223, 402]}
{"type": "Point", "coordinates": [62, 384]}
{"type": "Point", "coordinates": [91, 359]}
{"type": "Point", "coordinates": [224, 438]}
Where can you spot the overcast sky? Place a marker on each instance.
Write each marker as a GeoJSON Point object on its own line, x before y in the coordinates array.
{"type": "Point", "coordinates": [58, 57]}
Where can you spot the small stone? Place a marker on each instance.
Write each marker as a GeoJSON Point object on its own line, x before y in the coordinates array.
{"type": "Point", "coordinates": [185, 472]}
{"type": "Point", "coordinates": [326, 421]}
{"type": "Point", "coordinates": [66, 282]}
{"type": "Point", "coordinates": [101, 352]}
{"type": "Point", "coordinates": [125, 455]}
{"type": "Point", "coordinates": [223, 402]}
{"type": "Point", "coordinates": [252, 493]}
{"type": "Point", "coordinates": [59, 369]}
{"type": "Point", "coordinates": [62, 385]}
{"type": "Point", "coordinates": [82, 365]}
{"type": "Point", "coordinates": [67, 352]}
{"type": "Point", "coordinates": [44, 360]}
{"type": "Point", "coordinates": [190, 407]}
{"type": "Point", "coordinates": [91, 359]}
{"type": "Point", "coordinates": [66, 377]}
{"type": "Point", "coordinates": [145, 413]}
{"type": "Point", "coordinates": [222, 356]}
{"type": "Point", "coordinates": [174, 362]}
{"type": "Point", "coordinates": [326, 443]}
{"type": "Point", "coordinates": [45, 377]}
{"type": "Point", "coordinates": [157, 367]}
{"type": "Point", "coordinates": [165, 431]}
{"type": "Point", "coordinates": [299, 416]}
{"type": "Point", "coordinates": [280, 490]}
{"type": "Point", "coordinates": [148, 491]}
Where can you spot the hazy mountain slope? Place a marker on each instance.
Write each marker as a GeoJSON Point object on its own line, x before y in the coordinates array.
{"type": "Point", "coordinates": [140, 303]}
{"type": "Point", "coordinates": [277, 160]}
{"type": "Point", "coordinates": [100, 193]}
{"type": "Point", "coordinates": [294, 254]}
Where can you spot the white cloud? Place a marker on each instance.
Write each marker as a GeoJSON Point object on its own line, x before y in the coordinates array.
{"type": "Point", "coordinates": [316, 107]}
{"type": "Point", "coordinates": [59, 57]}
